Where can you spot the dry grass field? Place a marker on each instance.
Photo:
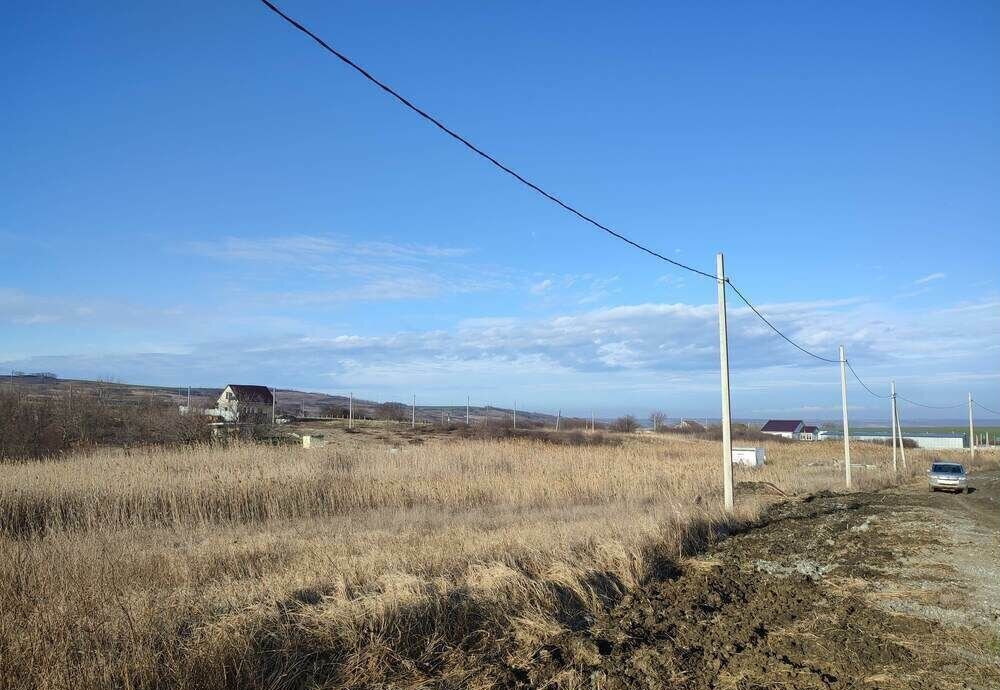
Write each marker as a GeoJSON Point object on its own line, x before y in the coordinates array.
{"type": "Point", "coordinates": [364, 563]}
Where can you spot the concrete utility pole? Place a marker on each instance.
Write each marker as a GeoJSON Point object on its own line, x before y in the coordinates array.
{"type": "Point", "coordinates": [847, 431]}
{"type": "Point", "coordinates": [558, 418]}
{"type": "Point", "coordinates": [899, 432]}
{"type": "Point", "coordinates": [592, 420]}
{"type": "Point", "coordinates": [350, 410]}
{"type": "Point", "coordinates": [189, 398]}
{"type": "Point", "coordinates": [972, 437]}
{"type": "Point", "coordinates": [486, 414]}
{"type": "Point", "coordinates": [274, 398]}
{"type": "Point", "coordinates": [467, 410]}
{"type": "Point", "coordinates": [892, 423]}
{"type": "Point", "coordinates": [413, 413]}
{"type": "Point", "coordinates": [515, 415]}
{"type": "Point", "coordinates": [726, 421]}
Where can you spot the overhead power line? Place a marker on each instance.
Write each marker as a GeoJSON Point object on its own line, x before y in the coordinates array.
{"type": "Point", "coordinates": [930, 407]}
{"type": "Point", "coordinates": [472, 147]}
{"type": "Point", "coordinates": [979, 404]}
{"type": "Point", "coordinates": [551, 197]}
{"type": "Point", "coordinates": [775, 328]}
{"type": "Point", "coordinates": [863, 384]}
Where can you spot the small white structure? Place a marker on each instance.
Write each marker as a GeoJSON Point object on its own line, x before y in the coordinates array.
{"type": "Point", "coordinates": [748, 457]}
{"type": "Point", "coordinates": [307, 441]}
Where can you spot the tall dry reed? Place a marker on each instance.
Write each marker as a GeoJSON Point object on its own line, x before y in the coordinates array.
{"type": "Point", "coordinates": [267, 567]}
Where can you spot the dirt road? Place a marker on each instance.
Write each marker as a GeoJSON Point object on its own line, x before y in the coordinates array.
{"type": "Point", "coordinates": [892, 589]}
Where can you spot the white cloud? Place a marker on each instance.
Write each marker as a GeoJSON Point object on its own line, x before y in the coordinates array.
{"type": "Point", "coordinates": [541, 287]}
{"type": "Point", "coordinates": [929, 278]}
{"type": "Point", "coordinates": [333, 270]}
{"type": "Point", "coordinates": [648, 349]}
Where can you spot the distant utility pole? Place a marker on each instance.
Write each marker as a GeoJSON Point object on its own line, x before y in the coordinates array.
{"type": "Point", "coordinates": [189, 398]}
{"type": "Point", "coordinates": [726, 421]}
{"type": "Point", "coordinates": [972, 437]}
{"type": "Point", "coordinates": [892, 423]}
{"type": "Point", "coordinates": [350, 410]}
{"type": "Point", "coordinates": [486, 414]}
{"type": "Point", "coordinates": [274, 398]}
{"type": "Point", "coordinates": [515, 415]}
{"type": "Point", "coordinates": [592, 420]}
{"type": "Point", "coordinates": [467, 410]}
{"type": "Point", "coordinates": [558, 418]}
{"type": "Point", "coordinates": [847, 432]}
{"type": "Point", "coordinates": [413, 413]}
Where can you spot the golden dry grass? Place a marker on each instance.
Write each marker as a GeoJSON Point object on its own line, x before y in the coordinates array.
{"type": "Point", "coordinates": [357, 564]}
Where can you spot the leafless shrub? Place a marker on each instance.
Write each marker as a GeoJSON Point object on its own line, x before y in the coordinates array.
{"type": "Point", "coordinates": [626, 424]}
{"type": "Point", "coordinates": [41, 428]}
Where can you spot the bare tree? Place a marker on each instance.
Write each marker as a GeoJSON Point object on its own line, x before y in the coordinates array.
{"type": "Point", "coordinates": [628, 424]}
{"type": "Point", "coordinates": [658, 420]}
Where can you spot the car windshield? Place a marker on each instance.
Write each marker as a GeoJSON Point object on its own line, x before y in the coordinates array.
{"type": "Point", "coordinates": [939, 468]}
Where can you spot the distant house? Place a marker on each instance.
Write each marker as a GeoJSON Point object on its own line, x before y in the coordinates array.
{"type": "Point", "coordinates": [786, 428]}
{"type": "Point", "coordinates": [809, 433]}
{"type": "Point", "coordinates": [241, 403]}
{"type": "Point", "coordinates": [689, 425]}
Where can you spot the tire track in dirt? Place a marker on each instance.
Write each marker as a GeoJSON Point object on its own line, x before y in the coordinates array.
{"type": "Point", "coordinates": [884, 590]}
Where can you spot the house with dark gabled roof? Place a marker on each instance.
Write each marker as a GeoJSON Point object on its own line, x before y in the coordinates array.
{"type": "Point", "coordinates": [809, 433]}
{"type": "Point", "coordinates": [689, 425]}
{"type": "Point", "coordinates": [243, 403]}
{"type": "Point", "coordinates": [786, 428]}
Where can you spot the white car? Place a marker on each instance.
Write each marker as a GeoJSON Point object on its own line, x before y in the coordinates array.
{"type": "Point", "coordinates": [947, 476]}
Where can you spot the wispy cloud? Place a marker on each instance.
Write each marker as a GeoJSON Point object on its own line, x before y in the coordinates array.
{"type": "Point", "coordinates": [332, 269]}
{"type": "Point", "coordinates": [541, 286]}
{"type": "Point", "coordinates": [28, 309]}
{"type": "Point", "coordinates": [930, 278]}
{"type": "Point", "coordinates": [579, 289]}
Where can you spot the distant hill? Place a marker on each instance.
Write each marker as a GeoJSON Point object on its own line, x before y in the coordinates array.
{"type": "Point", "coordinates": [300, 404]}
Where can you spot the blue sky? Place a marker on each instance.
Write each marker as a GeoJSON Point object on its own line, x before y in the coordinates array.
{"type": "Point", "coordinates": [195, 193]}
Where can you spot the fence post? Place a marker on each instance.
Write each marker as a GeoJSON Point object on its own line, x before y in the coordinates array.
{"type": "Point", "coordinates": [726, 421]}
{"type": "Point", "coordinates": [847, 431]}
